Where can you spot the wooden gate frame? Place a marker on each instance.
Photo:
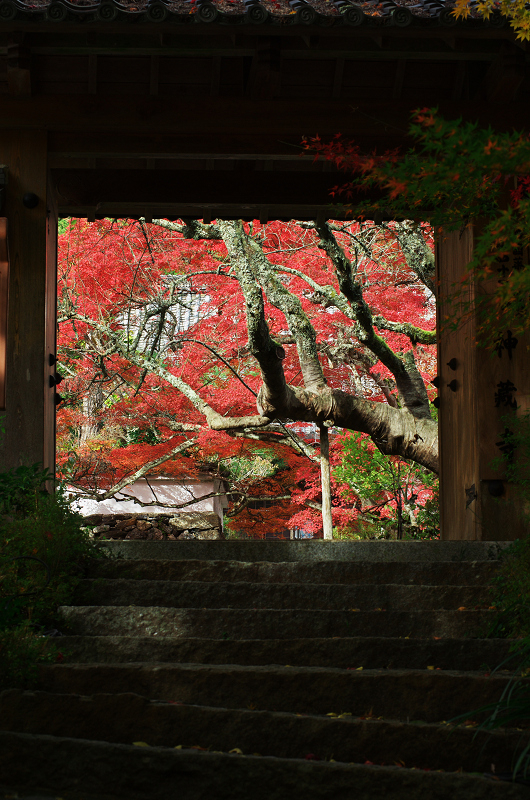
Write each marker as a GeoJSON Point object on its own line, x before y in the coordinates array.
{"type": "Point", "coordinates": [114, 110]}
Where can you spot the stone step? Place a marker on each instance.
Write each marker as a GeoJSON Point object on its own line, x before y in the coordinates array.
{"type": "Point", "coordinates": [79, 769]}
{"type": "Point", "coordinates": [369, 652]}
{"type": "Point", "coordinates": [428, 695]}
{"type": "Point", "coordinates": [450, 573]}
{"type": "Point", "coordinates": [127, 718]}
{"type": "Point", "coordinates": [198, 594]}
{"type": "Point", "coordinates": [307, 550]}
{"type": "Point", "coordinates": [234, 623]}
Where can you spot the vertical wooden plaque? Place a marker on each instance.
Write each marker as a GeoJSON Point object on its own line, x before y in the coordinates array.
{"type": "Point", "coordinates": [4, 274]}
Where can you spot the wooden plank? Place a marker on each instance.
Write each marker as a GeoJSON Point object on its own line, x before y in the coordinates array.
{"type": "Point", "coordinates": [240, 118]}
{"type": "Point", "coordinates": [4, 277]}
{"type": "Point", "coordinates": [457, 413]}
{"type": "Point", "coordinates": [18, 66]}
{"type": "Point", "coordinates": [93, 187]}
{"type": "Point", "coordinates": [153, 75]}
{"type": "Point", "coordinates": [50, 328]}
{"type": "Point", "coordinates": [28, 439]}
{"type": "Point", "coordinates": [398, 80]}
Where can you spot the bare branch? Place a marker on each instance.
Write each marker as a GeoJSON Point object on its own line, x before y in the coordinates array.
{"type": "Point", "coordinates": [129, 479]}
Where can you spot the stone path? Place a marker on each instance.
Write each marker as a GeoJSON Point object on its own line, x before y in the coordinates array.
{"type": "Point", "coordinates": [267, 670]}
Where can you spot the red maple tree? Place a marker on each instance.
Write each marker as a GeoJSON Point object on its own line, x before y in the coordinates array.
{"type": "Point", "coordinates": [162, 336]}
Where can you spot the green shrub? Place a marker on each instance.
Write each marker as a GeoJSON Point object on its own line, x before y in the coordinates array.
{"type": "Point", "coordinates": [511, 592]}
{"type": "Point", "coordinates": [21, 652]}
{"type": "Point", "coordinates": [43, 554]}
{"type": "Point", "coordinates": [52, 533]}
{"type": "Point", "coordinates": [511, 599]}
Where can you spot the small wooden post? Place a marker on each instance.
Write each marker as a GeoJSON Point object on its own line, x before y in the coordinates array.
{"type": "Point", "coordinates": [327, 523]}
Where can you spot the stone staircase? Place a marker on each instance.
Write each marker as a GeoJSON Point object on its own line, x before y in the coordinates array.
{"type": "Point", "coordinates": [271, 671]}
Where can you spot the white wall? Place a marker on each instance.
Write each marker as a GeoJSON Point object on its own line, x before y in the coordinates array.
{"type": "Point", "coordinates": [164, 490]}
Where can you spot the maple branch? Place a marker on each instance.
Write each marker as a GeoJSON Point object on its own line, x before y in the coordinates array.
{"type": "Point", "coordinates": [261, 344]}
{"type": "Point", "coordinates": [290, 306]}
{"type": "Point", "coordinates": [249, 498]}
{"type": "Point", "coordinates": [327, 296]}
{"type": "Point", "coordinates": [220, 357]}
{"type": "Point", "coordinates": [418, 254]}
{"type": "Point", "coordinates": [128, 479]}
{"type": "Point", "coordinates": [215, 421]}
{"type": "Point", "coordinates": [288, 438]}
{"type": "Point", "coordinates": [408, 380]}
{"type": "Point", "coordinates": [415, 334]}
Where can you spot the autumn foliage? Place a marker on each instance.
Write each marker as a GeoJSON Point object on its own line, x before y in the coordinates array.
{"type": "Point", "coordinates": [175, 300]}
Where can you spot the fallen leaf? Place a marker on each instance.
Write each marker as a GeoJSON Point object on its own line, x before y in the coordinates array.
{"type": "Point", "coordinates": [141, 744]}
{"type": "Point", "coordinates": [462, 608]}
{"type": "Point", "coordinates": [430, 668]}
{"type": "Point", "coordinates": [236, 750]}
{"type": "Point", "coordinates": [331, 714]}
{"type": "Point", "coordinates": [359, 669]}
{"type": "Point", "coordinates": [178, 747]}
{"type": "Point", "coordinates": [311, 757]}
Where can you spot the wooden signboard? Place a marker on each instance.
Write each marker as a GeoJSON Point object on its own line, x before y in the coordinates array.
{"type": "Point", "coordinates": [4, 272]}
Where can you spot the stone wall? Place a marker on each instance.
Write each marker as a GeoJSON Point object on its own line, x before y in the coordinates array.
{"type": "Point", "coordinates": [155, 526]}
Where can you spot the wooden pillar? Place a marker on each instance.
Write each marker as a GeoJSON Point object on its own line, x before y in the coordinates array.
{"type": "Point", "coordinates": [476, 501]}
{"type": "Point", "coordinates": [29, 403]}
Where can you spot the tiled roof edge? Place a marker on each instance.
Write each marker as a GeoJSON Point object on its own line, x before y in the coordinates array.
{"type": "Point", "coordinates": [387, 13]}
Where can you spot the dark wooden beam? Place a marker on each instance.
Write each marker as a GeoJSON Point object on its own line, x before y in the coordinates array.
{"type": "Point", "coordinates": [4, 276]}
{"type": "Point", "coordinates": [18, 64]}
{"type": "Point", "coordinates": [30, 408]}
{"type": "Point", "coordinates": [85, 187]}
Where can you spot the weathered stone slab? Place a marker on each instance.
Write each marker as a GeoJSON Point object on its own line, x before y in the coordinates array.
{"type": "Point", "coordinates": [450, 573]}
{"type": "Point", "coordinates": [370, 652]}
{"type": "Point", "coordinates": [427, 695]}
{"type": "Point", "coordinates": [196, 594]}
{"type": "Point", "coordinates": [257, 623]}
{"type": "Point", "coordinates": [82, 767]}
{"type": "Point", "coordinates": [312, 550]}
{"type": "Point", "coordinates": [127, 718]}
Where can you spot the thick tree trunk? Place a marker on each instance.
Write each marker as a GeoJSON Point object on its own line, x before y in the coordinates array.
{"type": "Point", "coordinates": [395, 431]}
